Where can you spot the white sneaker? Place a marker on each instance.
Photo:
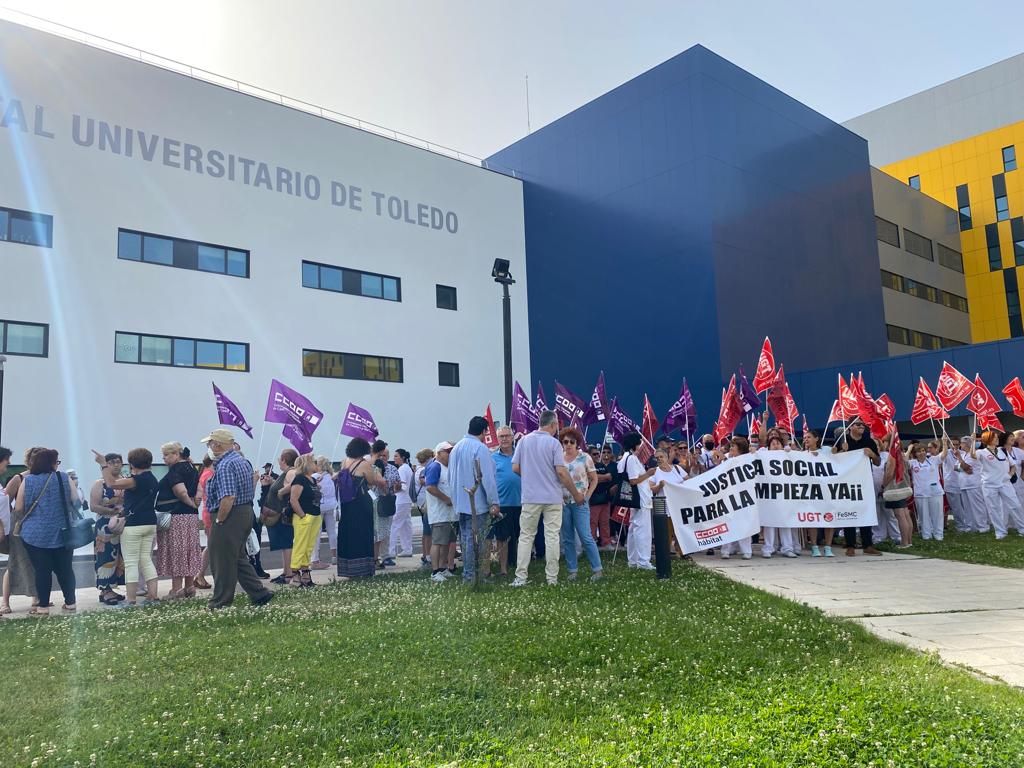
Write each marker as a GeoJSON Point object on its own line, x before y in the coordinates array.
{"type": "Point", "coordinates": [646, 567]}
{"type": "Point", "coordinates": [746, 557]}
{"type": "Point", "coordinates": [766, 555]}
{"type": "Point", "coordinates": [518, 582]}
{"type": "Point", "coordinates": [789, 554]}
{"type": "Point", "coordinates": [725, 555]}
{"type": "Point", "coordinates": [438, 578]}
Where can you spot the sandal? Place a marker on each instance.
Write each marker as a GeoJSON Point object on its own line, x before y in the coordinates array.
{"type": "Point", "coordinates": [69, 608]}
{"type": "Point", "coordinates": [200, 582]}
{"type": "Point", "coordinates": [5, 609]}
{"type": "Point", "coordinates": [35, 610]}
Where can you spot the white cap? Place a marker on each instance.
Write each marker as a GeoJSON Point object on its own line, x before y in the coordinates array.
{"type": "Point", "coordinates": [444, 445]}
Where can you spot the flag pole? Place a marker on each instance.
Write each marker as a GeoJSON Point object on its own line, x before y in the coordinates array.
{"type": "Point", "coordinates": [334, 450]}
{"type": "Point", "coordinates": [259, 450]}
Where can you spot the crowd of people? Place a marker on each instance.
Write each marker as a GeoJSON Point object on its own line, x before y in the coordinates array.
{"type": "Point", "coordinates": [546, 495]}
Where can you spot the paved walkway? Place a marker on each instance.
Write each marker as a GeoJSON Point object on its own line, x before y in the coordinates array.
{"type": "Point", "coordinates": [971, 615]}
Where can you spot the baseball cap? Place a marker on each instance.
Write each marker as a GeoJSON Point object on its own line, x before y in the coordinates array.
{"type": "Point", "coordinates": [220, 436]}
{"type": "Point", "coordinates": [444, 445]}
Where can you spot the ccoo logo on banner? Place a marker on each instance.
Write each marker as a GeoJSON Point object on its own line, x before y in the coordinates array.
{"type": "Point", "coordinates": [787, 489]}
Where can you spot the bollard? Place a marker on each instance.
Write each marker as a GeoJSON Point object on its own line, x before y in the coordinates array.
{"type": "Point", "coordinates": [659, 519]}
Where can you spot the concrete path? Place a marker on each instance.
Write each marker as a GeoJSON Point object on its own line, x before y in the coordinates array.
{"type": "Point", "coordinates": [971, 615]}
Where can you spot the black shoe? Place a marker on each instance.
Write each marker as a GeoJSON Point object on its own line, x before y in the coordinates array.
{"type": "Point", "coordinates": [389, 561]}
{"type": "Point", "coordinates": [282, 579]}
{"type": "Point", "coordinates": [263, 574]}
{"type": "Point", "coordinates": [267, 597]}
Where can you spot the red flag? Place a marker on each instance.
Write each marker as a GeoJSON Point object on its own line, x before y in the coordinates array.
{"type": "Point", "coordinates": [792, 411]}
{"type": "Point", "coordinates": [836, 414]}
{"type": "Point", "coordinates": [896, 447]}
{"type": "Point", "coordinates": [1015, 395]}
{"type": "Point", "coordinates": [491, 434]}
{"type": "Point", "coordinates": [780, 401]}
{"type": "Point", "coordinates": [755, 427]}
{"type": "Point", "coordinates": [765, 374]}
{"type": "Point", "coordinates": [847, 400]}
{"type": "Point", "coordinates": [730, 412]}
{"type": "Point", "coordinates": [649, 423]}
{"type": "Point", "coordinates": [925, 405]}
{"type": "Point", "coordinates": [952, 388]}
{"type": "Point", "coordinates": [645, 451]}
{"type": "Point", "coordinates": [867, 410]}
{"type": "Point", "coordinates": [985, 405]}
{"type": "Point", "coordinates": [804, 427]}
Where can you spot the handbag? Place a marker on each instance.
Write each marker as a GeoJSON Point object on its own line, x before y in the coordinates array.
{"type": "Point", "coordinates": [900, 490]}
{"type": "Point", "coordinates": [252, 544]}
{"type": "Point", "coordinates": [163, 516]}
{"type": "Point", "coordinates": [16, 531]}
{"type": "Point", "coordinates": [115, 525]}
{"type": "Point", "coordinates": [629, 495]}
{"type": "Point", "coordinates": [80, 531]}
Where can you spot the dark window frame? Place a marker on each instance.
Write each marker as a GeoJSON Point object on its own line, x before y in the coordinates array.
{"type": "Point", "coordinates": [908, 235]}
{"type": "Point", "coordinates": [919, 290]}
{"type": "Point", "coordinates": [184, 242]}
{"type": "Point", "coordinates": [452, 368]}
{"type": "Point", "coordinates": [915, 178]}
{"type": "Point", "coordinates": [363, 356]}
{"type": "Point", "coordinates": [194, 341]}
{"type": "Point", "coordinates": [926, 341]}
{"type": "Point", "coordinates": [439, 289]}
{"type": "Point", "coordinates": [1012, 160]}
{"type": "Point", "coordinates": [358, 275]}
{"type": "Point", "coordinates": [18, 214]}
{"type": "Point", "coordinates": [957, 258]}
{"type": "Point", "coordinates": [3, 338]}
{"type": "Point", "coordinates": [993, 248]}
{"type": "Point", "coordinates": [963, 204]}
{"type": "Point", "coordinates": [878, 231]}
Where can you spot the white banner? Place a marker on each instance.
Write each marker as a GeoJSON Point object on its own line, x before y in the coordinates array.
{"type": "Point", "coordinates": [787, 489]}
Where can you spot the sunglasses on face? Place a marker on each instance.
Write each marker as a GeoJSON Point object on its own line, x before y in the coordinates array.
{"type": "Point", "coordinates": [568, 441]}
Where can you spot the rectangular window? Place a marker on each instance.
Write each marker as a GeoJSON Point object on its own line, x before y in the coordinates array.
{"type": "Point", "coordinates": [898, 335]}
{"type": "Point", "coordinates": [914, 182]}
{"type": "Point", "coordinates": [950, 259]}
{"type": "Point", "coordinates": [183, 254]}
{"type": "Point", "coordinates": [345, 365]}
{"type": "Point", "coordinates": [447, 297]}
{"type": "Point", "coordinates": [917, 245]}
{"type": "Point", "coordinates": [1013, 302]}
{"type": "Point", "coordinates": [923, 291]}
{"type": "Point", "coordinates": [919, 339]}
{"type": "Point", "coordinates": [448, 374]}
{"type": "Point", "coordinates": [887, 232]}
{"type": "Point", "coordinates": [351, 281]}
{"type": "Point", "coordinates": [180, 352]}
{"type": "Point", "coordinates": [1009, 158]}
{"type": "Point", "coordinates": [892, 281]}
{"type": "Point", "coordinates": [29, 339]}
{"type": "Point", "coordinates": [963, 204]}
{"type": "Point", "coordinates": [26, 227]}
{"type": "Point", "coordinates": [995, 256]}
{"type": "Point", "coordinates": [1017, 233]}
{"type": "Point", "coordinates": [1002, 202]}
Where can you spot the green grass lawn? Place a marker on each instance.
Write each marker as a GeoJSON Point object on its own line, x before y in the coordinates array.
{"type": "Point", "coordinates": [972, 548]}
{"type": "Point", "coordinates": [697, 671]}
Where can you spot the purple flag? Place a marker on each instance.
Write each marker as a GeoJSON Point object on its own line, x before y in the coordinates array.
{"type": "Point", "coordinates": [295, 435]}
{"type": "Point", "coordinates": [619, 422]}
{"type": "Point", "coordinates": [682, 414]}
{"type": "Point", "coordinates": [228, 413]}
{"type": "Point", "coordinates": [359, 423]}
{"type": "Point", "coordinates": [569, 406]}
{"type": "Point", "coordinates": [748, 396]}
{"type": "Point", "coordinates": [524, 417]}
{"type": "Point", "coordinates": [286, 406]}
{"type": "Point", "coordinates": [542, 400]}
{"type": "Point", "coordinates": [598, 408]}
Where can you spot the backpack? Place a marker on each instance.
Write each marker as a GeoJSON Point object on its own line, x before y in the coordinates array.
{"type": "Point", "coordinates": [348, 486]}
{"type": "Point", "coordinates": [414, 489]}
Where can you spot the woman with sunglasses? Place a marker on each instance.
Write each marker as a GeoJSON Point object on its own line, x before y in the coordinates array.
{"type": "Point", "coordinates": [927, 491]}
{"type": "Point", "coordinates": [576, 517]}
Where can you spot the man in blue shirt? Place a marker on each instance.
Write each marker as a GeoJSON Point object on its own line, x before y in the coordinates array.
{"type": "Point", "coordinates": [229, 495]}
{"type": "Point", "coordinates": [510, 499]}
{"type": "Point", "coordinates": [469, 453]}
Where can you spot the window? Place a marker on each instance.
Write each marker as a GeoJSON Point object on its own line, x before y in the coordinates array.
{"type": "Point", "coordinates": [950, 259]}
{"type": "Point", "coordinates": [914, 182]}
{"type": "Point", "coordinates": [344, 365]}
{"type": "Point", "coordinates": [184, 254]}
{"type": "Point", "coordinates": [180, 352]}
{"type": "Point", "coordinates": [1017, 233]}
{"type": "Point", "coordinates": [447, 297]}
{"type": "Point", "coordinates": [1009, 158]}
{"type": "Point", "coordinates": [918, 245]}
{"type": "Point", "coordinates": [448, 374]}
{"type": "Point", "coordinates": [1002, 203]}
{"type": "Point", "coordinates": [922, 291]}
{"type": "Point", "coordinates": [963, 204]}
{"type": "Point", "coordinates": [1013, 302]}
{"type": "Point", "coordinates": [919, 339]}
{"type": "Point", "coordinates": [995, 256]}
{"type": "Point", "coordinates": [26, 227]}
{"type": "Point", "coordinates": [887, 232]}
{"type": "Point", "coordinates": [351, 281]}
{"type": "Point", "coordinates": [29, 339]}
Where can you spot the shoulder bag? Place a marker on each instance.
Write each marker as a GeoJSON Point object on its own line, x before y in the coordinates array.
{"type": "Point", "coordinates": [16, 530]}
{"type": "Point", "coordinates": [629, 495]}
{"type": "Point", "coordinates": [80, 530]}
{"type": "Point", "coordinates": [898, 490]}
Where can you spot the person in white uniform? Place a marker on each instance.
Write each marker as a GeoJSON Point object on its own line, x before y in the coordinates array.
{"type": "Point", "coordinates": [777, 539]}
{"type": "Point", "coordinates": [1000, 498]}
{"type": "Point", "coordinates": [971, 497]}
{"type": "Point", "coordinates": [927, 492]}
{"type": "Point", "coordinates": [401, 527]}
{"type": "Point", "coordinates": [638, 541]}
{"type": "Point", "coordinates": [951, 473]}
{"type": "Point", "coordinates": [738, 446]}
{"type": "Point", "coordinates": [1016, 455]}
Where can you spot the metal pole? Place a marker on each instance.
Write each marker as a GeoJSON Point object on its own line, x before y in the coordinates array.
{"type": "Point", "coordinates": [3, 359]}
{"type": "Point", "coordinates": [506, 309]}
{"type": "Point", "coordinates": [659, 520]}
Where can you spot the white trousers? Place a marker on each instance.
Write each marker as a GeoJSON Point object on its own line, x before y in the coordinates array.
{"type": "Point", "coordinates": [1016, 520]}
{"type": "Point", "coordinates": [638, 542]}
{"type": "Point", "coordinates": [887, 527]}
{"type": "Point", "coordinates": [777, 540]}
{"type": "Point", "coordinates": [401, 530]}
{"type": "Point", "coordinates": [956, 506]}
{"type": "Point", "coordinates": [975, 512]}
{"type": "Point", "coordinates": [929, 516]}
{"type": "Point", "coordinates": [744, 545]}
{"type": "Point", "coordinates": [331, 521]}
{"type": "Point", "coordinates": [1000, 503]}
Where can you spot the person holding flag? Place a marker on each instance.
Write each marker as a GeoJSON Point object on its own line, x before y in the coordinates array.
{"type": "Point", "coordinates": [895, 475]}
{"type": "Point", "coordinates": [1000, 499]}
{"type": "Point", "coordinates": [927, 492]}
{"type": "Point", "coordinates": [857, 439]}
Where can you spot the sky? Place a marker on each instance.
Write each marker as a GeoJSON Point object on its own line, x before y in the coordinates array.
{"type": "Point", "coordinates": [453, 72]}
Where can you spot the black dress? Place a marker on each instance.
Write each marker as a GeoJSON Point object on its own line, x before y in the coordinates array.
{"type": "Point", "coordinates": [356, 534]}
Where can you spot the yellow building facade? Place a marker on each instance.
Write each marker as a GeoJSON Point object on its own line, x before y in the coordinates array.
{"type": "Point", "coordinates": [979, 177]}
